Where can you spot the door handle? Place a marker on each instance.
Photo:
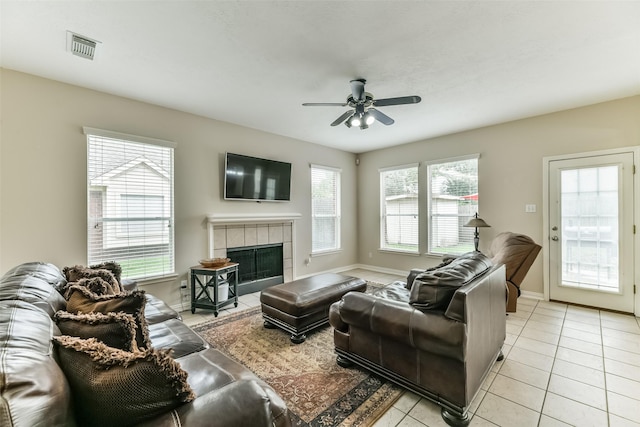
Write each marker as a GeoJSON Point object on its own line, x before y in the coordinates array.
{"type": "Point", "coordinates": [554, 238]}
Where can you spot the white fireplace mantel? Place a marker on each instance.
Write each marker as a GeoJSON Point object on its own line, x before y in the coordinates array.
{"type": "Point", "coordinates": [269, 218]}
{"type": "Point", "coordinates": [247, 219]}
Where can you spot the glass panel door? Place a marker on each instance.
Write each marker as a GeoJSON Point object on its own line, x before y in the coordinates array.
{"type": "Point", "coordinates": [591, 231]}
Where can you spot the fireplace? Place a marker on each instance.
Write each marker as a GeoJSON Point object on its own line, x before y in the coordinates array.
{"type": "Point", "coordinates": [259, 267]}
{"type": "Point", "coordinates": [273, 233]}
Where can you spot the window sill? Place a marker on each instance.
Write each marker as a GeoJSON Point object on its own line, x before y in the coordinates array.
{"type": "Point", "coordinates": [156, 280]}
{"type": "Point", "coordinates": [436, 255]}
{"type": "Point", "coordinates": [327, 252]}
{"type": "Point", "coordinates": [399, 252]}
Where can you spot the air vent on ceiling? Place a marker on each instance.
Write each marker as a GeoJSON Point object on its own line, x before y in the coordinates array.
{"type": "Point", "coordinates": [81, 46]}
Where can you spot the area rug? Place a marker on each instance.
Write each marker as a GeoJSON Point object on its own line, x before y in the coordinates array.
{"type": "Point", "coordinates": [317, 391]}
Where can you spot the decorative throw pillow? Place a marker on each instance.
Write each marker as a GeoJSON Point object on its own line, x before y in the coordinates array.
{"type": "Point", "coordinates": [82, 300]}
{"type": "Point", "coordinates": [112, 266]}
{"type": "Point", "coordinates": [433, 290]}
{"type": "Point", "coordinates": [77, 272]}
{"type": "Point", "coordinates": [112, 387]}
{"type": "Point", "coordinates": [96, 285]}
{"type": "Point", "coordinates": [116, 330]}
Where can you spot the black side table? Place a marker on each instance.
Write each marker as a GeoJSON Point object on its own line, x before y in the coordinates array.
{"type": "Point", "coordinates": [205, 294]}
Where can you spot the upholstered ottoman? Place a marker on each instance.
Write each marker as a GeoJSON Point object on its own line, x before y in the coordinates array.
{"type": "Point", "coordinates": [303, 305]}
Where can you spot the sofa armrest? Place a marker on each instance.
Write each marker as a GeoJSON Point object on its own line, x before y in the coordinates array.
{"type": "Point", "coordinates": [399, 321]}
{"type": "Point", "coordinates": [473, 299]}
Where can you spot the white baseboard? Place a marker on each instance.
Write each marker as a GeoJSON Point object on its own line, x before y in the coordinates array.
{"type": "Point", "coordinates": [342, 269]}
{"type": "Point", "coordinates": [532, 295]}
{"type": "Point", "coordinates": [403, 273]}
{"type": "Point", "coordinates": [181, 307]}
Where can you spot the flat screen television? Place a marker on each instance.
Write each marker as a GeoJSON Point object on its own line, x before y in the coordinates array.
{"type": "Point", "coordinates": [252, 178]}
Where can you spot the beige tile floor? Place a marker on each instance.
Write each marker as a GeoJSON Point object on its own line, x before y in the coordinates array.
{"type": "Point", "coordinates": [563, 365]}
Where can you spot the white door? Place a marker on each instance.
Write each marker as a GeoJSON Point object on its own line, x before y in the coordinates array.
{"type": "Point", "coordinates": [591, 231]}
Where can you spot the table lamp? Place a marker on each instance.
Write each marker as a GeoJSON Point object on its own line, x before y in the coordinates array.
{"type": "Point", "coordinates": [476, 222]}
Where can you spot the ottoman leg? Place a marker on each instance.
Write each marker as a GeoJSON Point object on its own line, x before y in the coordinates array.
{"type": "Point", "coordinates": [269, 325]}
{"type": "Point", "coordinates": [343, 362]}
{"type": "Point", "coordinates": [298, 338]}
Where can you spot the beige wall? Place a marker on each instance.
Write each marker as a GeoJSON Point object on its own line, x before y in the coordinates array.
{"type": "Point", "coordinates": [510, 172]}
{"type": "Point", "coordinates": [43, 174]}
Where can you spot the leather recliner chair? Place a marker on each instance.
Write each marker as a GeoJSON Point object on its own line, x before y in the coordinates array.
{"type": "Point", "coordinates": [517, 252]}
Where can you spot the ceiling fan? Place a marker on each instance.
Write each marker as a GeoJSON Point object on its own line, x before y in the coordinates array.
{"type": "Point", "coordinates": [363, 113]}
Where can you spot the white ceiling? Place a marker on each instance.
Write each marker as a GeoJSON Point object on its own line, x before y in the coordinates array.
{"type": "Point", "coordinates": [474, 63]}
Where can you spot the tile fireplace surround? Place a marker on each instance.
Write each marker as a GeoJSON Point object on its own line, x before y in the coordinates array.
{"type": "Point", "coordinates": [235, 231]}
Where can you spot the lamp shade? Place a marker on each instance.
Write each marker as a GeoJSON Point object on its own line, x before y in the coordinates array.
{"type": "Point", "coordinates": [476, 222]}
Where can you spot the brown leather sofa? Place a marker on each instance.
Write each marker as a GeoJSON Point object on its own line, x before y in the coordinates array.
{"type": "Point", "coordinates": [439, 338]}
{"type": "Point", "coordinates": [35, 392]}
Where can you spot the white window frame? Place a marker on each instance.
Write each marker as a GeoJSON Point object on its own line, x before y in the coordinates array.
{"type": "Point", "coordinates": [383, 213]}
{"type": "Point", "coordinates": [166, 268]}
{"type": "Point", "coordinates": [337, 214]}
{"type": "Point", "coordinates": [428, 165]}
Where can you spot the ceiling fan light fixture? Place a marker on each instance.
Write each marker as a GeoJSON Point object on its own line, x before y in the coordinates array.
{"type": "Point", "coordinates": [363, 103]}
{"type": "Point", "coordinates": [368, 118]}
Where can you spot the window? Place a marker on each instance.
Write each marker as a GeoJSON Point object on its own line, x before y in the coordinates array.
{"type": "Point", "coordinates": [399, 209]}
{"type": "Point", "coordinates": [325, 209]}
{"type": "Point", "coordinates": [130, 203]}
{"type": "Point", "coordinates": [452, 201]}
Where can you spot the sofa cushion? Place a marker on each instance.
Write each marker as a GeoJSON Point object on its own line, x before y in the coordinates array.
{"type": "Point", "coordinates": [32, 289]}
{"type": "Point", "coordinates": [157, 311]}
{"type": "Point", "coordinates": [433, 290]}
{"type": "Point", "coordinates": [174, 334]}
{"type": "Point", "coordinates": [115, 387]}
{"type": "Point", "coordinates": [82, 300]}
{"type": "Point", "coordinates": [116, 330]}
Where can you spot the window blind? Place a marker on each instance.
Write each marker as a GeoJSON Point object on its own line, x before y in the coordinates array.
{"type": "Point", "coordinates": [452, 202]}
{"type": "Point", "coordinates": [399, 209]}
{"type": "Point", "coordinates": [325, 209]}
{"type": "Point", "coordinates": [130, 203]}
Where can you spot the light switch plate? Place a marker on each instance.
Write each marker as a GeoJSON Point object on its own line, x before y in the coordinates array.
{"type": "Point", "coordinates": [530, 208]}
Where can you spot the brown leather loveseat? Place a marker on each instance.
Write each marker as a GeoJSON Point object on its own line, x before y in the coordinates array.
{"type": "Point", "coordinates": [34, 390]}
{"type": "Point", "coordinates": [438, 336]}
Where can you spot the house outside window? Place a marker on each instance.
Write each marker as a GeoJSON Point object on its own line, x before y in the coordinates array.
{"type": "Point", "coordinates": [452, 201]}
{"type": "Point", "coordinates": [130, 203]}
{"type": "Point", "coordinates": [399, 209]}
{"type": "Point", "coordinates": [325, 209]}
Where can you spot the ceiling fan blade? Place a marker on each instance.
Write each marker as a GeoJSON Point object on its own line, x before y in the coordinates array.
{"type": "Point", "coordinates": [397, 101]}
{"type": "Point", "coordinates": [381, 117]}
{"type": "Point", "coordinates": [325, 104]}
{"type": "Point", "coordinates": [357, 89]}
{"type": "Point", "coordinates": [342, 118]}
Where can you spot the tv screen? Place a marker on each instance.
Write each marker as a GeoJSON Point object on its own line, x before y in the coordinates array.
{"type": "Point", "coordinates": [251, 178]}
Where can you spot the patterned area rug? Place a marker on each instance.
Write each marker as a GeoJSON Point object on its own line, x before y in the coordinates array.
{"type": "Point", "coordinates": [317, 391]}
